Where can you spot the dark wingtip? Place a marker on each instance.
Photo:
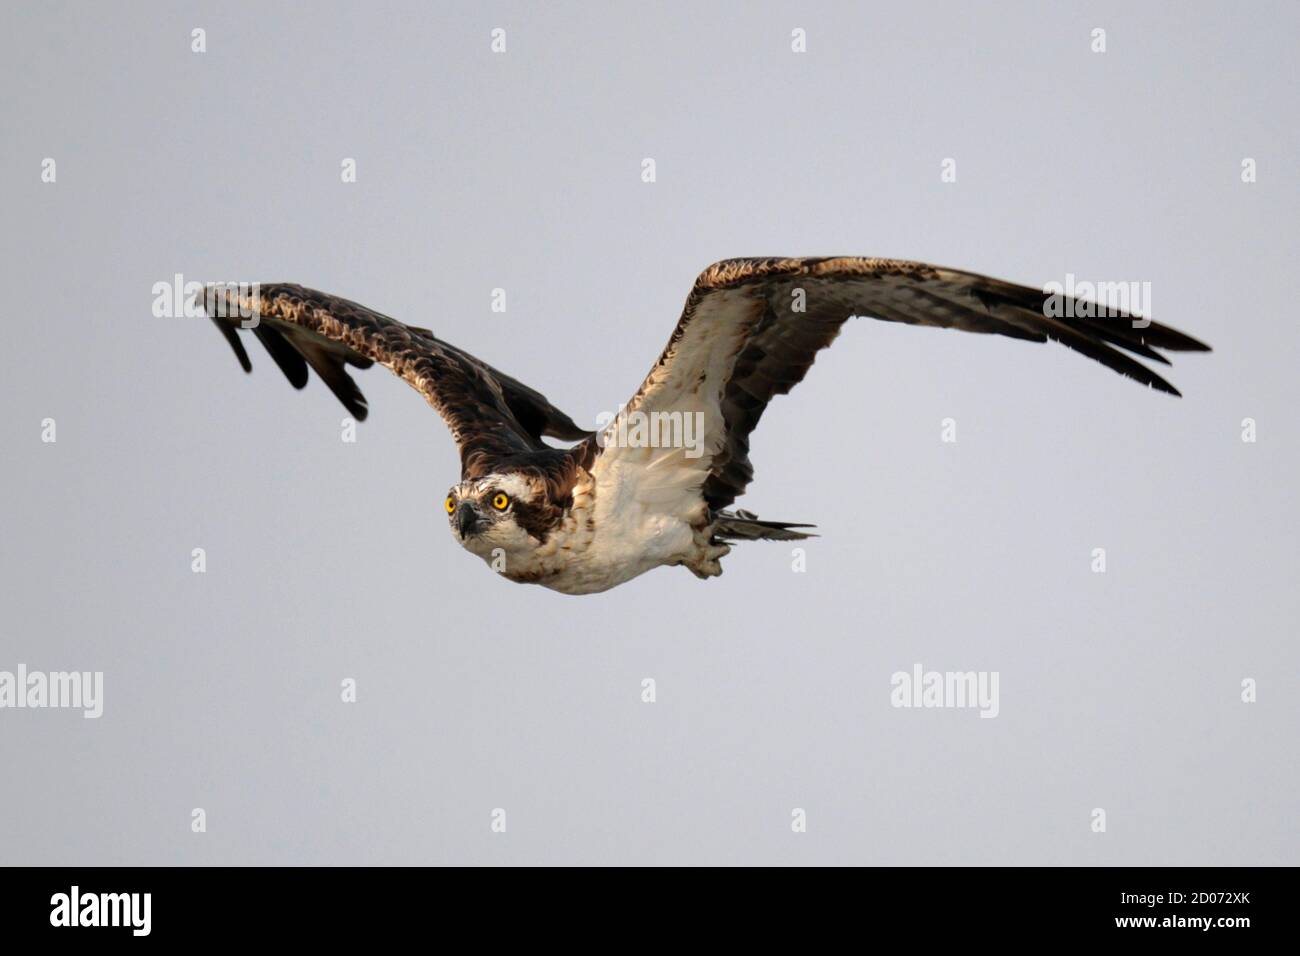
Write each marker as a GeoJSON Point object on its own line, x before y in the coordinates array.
{"type": "Point", "coordinates": [232, 337]}
{"type": "Point", "coordinates": [1160, 385]}
{"type": "Point", "coordinates": [1185, 343]}
{"type": "Point", "coordinates": [291, 362]}
{"type": "Point", "coordinates": [1163, 337]}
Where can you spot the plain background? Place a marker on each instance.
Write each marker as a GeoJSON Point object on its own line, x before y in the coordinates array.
{"type": "Point", "coordinates": [521, 171]}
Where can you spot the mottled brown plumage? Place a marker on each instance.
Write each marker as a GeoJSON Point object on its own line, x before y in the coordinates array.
{"type": "Point", "coordinates": [490, 414]}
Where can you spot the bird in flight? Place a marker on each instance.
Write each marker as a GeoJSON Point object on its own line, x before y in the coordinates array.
{"type": "Point", "coordinates": [656, 483]}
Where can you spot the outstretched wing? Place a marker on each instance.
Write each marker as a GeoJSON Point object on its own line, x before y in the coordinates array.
{"type": "Point", "coordinates": [751, 329]}
{"type": "Point", "coordinates": [491, 415]}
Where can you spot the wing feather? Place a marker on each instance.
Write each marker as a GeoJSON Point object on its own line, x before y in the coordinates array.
{"type": "Point", "coordinates": [492, 417]}
{"type": "Point", "coordinates": [741, 341]}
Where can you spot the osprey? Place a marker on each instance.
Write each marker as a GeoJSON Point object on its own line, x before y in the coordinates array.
{"type": "Point", "coordinates": [618, 502]}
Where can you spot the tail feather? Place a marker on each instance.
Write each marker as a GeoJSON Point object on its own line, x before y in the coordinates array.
{"type": "Point", "coordinates": [746, 526]}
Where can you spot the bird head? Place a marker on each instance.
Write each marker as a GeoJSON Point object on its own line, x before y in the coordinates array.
{"type": "Point", "coordinates": [499, 514]}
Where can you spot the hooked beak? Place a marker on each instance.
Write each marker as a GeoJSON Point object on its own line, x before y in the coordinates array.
{"type": "Point", "coordinates": [466, 520]}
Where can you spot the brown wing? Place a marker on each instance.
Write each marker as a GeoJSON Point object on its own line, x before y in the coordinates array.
{"type": "Point", "coordinates": [491, 415]}
{"type": "Point", "coordinates": [742, 339]}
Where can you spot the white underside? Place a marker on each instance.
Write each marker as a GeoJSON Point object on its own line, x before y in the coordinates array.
{"type": "Point", "coordinates": [625, 544]}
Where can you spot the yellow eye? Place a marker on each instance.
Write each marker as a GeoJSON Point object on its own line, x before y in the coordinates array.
{"type": "Point", "coordinates": [449, 504]}
{"type": "Point", "coordinates": [501, 501]}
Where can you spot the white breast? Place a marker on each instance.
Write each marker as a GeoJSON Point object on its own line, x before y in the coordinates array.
{"type": "Point", "coordinates": [628, 534]}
